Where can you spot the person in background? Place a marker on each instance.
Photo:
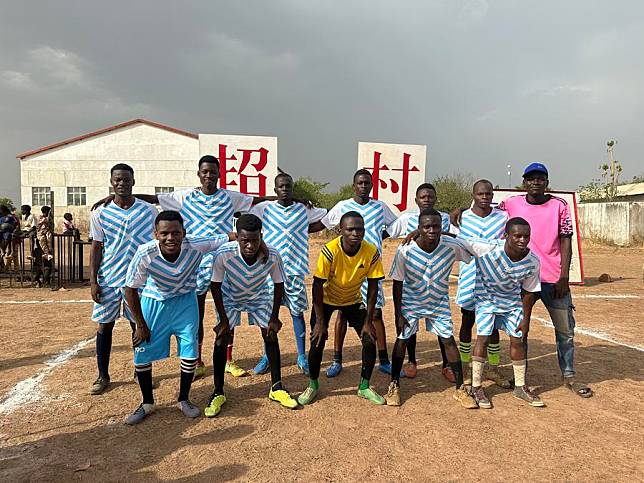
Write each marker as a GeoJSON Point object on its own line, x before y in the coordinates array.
{"type": "Point", "coordinates": [67, 227]}
{"type": "Point", "coordinates": [44, 232]}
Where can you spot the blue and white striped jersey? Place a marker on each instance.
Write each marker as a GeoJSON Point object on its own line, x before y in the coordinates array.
{"type": "Point", "coordinates": [377, 217]}
{"type": "Point", "coordinates": [121, 232]}
{"type": "Point", "coordinates": [499, 280]}
{"type": "Point", "coordinates": [286, 228]}
{"type": "Point", "coordinates": [425, 277]}
{"type": "Point", "coordinates": [408, 222]}
{"type": "Point", "coordinates": [206, 215]}
{"type": "Point", "coordinates": [473, 227]}
{"type": "Point", "coordinates": [162, 279]}
{"type": "Point", "coordinates": [242, 284]}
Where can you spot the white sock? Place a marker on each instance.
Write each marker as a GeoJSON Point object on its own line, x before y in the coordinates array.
{"type": "Point", "coordinates": [519, 372]}
{"type": "Point", "coordinates": [477, 371]}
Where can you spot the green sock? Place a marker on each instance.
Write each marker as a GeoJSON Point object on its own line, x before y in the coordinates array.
{"type": "Point", "coordinates": [314, 384]}
{"type": "Point", "coordinates": [494, 354]}
{"type": "Point", "coordinates": [364, 383]}
{"type": "Point", "coordinates": [464, 349]}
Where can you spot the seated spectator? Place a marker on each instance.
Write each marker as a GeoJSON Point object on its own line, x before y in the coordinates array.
{"type": "Point", "coordinates": [68, 227]}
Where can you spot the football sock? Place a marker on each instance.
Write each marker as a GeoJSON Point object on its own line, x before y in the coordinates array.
{"type": "Point", "coordinates": [411, 349]}
{"type": "Point", "coordinates": [443, 355]}
{"type": "Point", "coordinates": [144, 376]}
{"type": "Point", "coordinates": [519, 372]}
{"type": "Point", "coordinates": [273, 352]}
{"type": "Point", "coordinates": [219, 365]}
{"type": "Point", "coordinates": [457, 369]}
{"type": "Point", "coordinates": [465, 348]}
{"type": "Point", "coordinates": [477, 370]}
{"type": "Point", "coordinates": [494, 354]}
{"type": "Point", "coordinates": [383, 356]}
{"type": "Point", "coordinates": [103, 350]}
{"type": "Point", "coordinates": [299, 329]}
{"type": "Point", "coordinates": [188, 367]}
{"type": "Point", "coordinates": [368, 357]}
{"type": "Point", "coordinates": [337, 356]}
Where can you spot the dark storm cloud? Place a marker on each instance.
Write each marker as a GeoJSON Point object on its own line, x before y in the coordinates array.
{"type": "Point", "coordinates": [481, 84]}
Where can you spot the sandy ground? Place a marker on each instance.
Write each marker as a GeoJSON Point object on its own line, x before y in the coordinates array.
{"type": "Point", "coordinates": [69, 435]}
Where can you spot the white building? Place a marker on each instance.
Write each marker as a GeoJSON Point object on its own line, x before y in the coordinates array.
{"type": "Point", "coordinates": [77, 171]}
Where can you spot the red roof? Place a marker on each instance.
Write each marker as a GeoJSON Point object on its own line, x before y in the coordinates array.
{"type": "Point", "coordinates": [105, 130]}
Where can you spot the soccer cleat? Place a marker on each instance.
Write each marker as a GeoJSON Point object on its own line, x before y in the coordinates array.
{"type": "Point", "coordinates": [308, 396]}
{"type": "Point", "coordinates": [492, 374]}
{"type": "Point", "coordinates": [334, 369]}
{"type": "Point", "coordinates": [139, 414]}
{"type": "Point", "coordinates": [385, 368]}
{"type": "Point", "coordinates": [214, 405]}
{"type": "Point", "coordinates": [526, 395]}
{"type": "Point", "coordinates": [303, 364]}
{"type": "Point", "coordinates": [393, 394]}
{"type": "Point", "coordinates": [410, 370]}
{"type": "Point", "coordinates": [233, 369]}
{"type": "Point", "coordinates": [466, 399]}
{"type": "Point", "coordinates": [189, 409]}
{"type": "Point", "coordinates": [282, 397]}
{"type": "Point", "coordinates": [448, 374]}
{"type": "Point", "coordinates": [200, 370]}
{"type": "Point", "coordinates": [481, 399]}
{"type": "Point", "coordinates": [99, 386]}
{"type": "Point", "coordinates": [371, 395]}
{"type": "Point", "coordinates": [262, 366]}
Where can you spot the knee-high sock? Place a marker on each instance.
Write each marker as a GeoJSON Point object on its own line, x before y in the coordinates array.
{"type": "Point", "coordinates": [219, 365]}
{"type": "Point", "coordinates": [368, 357]}
{"type": "Point", "coordinates": [397, 359]}
{"type": "Point", "coordinates": [274, 360]}
{"type": "Point", "coordinates": [443, 354]}
{"type": "Point", "coordinates": [411, 349]}
{"type": "Point", "coordinates": [299, 329]}
{"type": "Point", "coordinates": [457, 369]}
{"type": "Point", "coordinates": [103, 351]}
{"type": "Point", "coordinates": [188, 367]}
{"type": "Point", "coordinates": [494, 354]}
{"type": "Point", "coordinates": [144, 376]}
{"type": "Point", "coordinates": [315, 359]}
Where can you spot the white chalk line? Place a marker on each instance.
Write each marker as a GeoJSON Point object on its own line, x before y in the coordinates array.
{"type": "Point", "coordinates": [29, 390]}
{"type": "Point", "coordinates": [44, 302]}
{"type": "Point", "coordinates": [593, 333]}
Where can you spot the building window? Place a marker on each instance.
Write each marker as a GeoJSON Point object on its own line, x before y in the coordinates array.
{"type": "Point", "coordinates": [163, 189]}
{"type": "Point", "coordinates": [41, 196]}
{"type": "Point", "coordinates": [76, 196]}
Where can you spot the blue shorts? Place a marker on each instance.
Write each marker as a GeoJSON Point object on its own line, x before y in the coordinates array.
{"type": "Point", "coordinates": [178, 316]}
{"type": "Point", "coordinates": [488, 318]}
{"type": "Point", "coordinates": [111, 307]}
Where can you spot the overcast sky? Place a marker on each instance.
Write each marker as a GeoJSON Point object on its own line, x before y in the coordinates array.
{"type": "Point", "coordinates": [482, 84]}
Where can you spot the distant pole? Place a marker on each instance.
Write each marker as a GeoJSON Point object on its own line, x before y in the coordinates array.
{"type": "Point", "coordinates": [610, 146]}
{"type": "Point", "coordinates": [510, 176]}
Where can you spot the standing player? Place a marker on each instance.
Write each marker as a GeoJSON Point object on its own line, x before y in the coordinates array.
{"type": "Point", "coordinates": [117, 230]}
{"type": "Point", "coordinates": [551, 241]}
{"type": "Point", "coordinates": [405, 224]}
{"type": "Point", "coordinates": [507, 277]}
{"type": "Point", "coordinates": [287, 225]}
{"type": "Point", "coordinates": [481, 222]}
{"type": "Point", "coordinates": [420, 272]}
{"type": "Point", "coordinates": [377, 216]}
{"type": "Point", "coordinates": [344, 265]}
{"type": "Point", "coordinates": [239, 284]}
{"type": "Point", "coordinates": [165, 270]}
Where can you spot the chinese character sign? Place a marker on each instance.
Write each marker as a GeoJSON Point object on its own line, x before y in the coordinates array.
{"type": "Point", "coordinates": [246, 163]}
{"type": "Point", "coordinates": [397, 171]}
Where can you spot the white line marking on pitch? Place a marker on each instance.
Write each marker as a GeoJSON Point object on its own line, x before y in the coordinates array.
{"type": "Point", "coordinates": [29, 390]}
{"type": "Point", "coordinates": [81, 301]}
{"type": "Point", "coordinates": [593, 333]}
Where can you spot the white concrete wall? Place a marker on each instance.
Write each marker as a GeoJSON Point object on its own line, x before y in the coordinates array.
{"type": "Point", "coordinates": [618, 223]}
{"type": "Point", "coordinates": [159, 158]}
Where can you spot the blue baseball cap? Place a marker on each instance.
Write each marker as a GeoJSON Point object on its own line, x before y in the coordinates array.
{"type": "Point", "coordinates": [535, 168]}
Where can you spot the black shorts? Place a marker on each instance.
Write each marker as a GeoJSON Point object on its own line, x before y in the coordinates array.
{"type": "Point", "coordinates": [355, 315]}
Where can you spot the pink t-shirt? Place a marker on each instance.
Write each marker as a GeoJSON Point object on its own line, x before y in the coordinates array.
{"type": "Point", "coordinates": [548, 222]}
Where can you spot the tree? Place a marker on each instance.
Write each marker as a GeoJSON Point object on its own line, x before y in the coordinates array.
{"type": "Point", "coordinates": [306, 188]}
{"type": "Point", "coordinates": [453, 191]}
{"type": "Point", "coordinates": [7, 202]}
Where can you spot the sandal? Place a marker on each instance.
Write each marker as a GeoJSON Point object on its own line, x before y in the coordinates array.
{"type": "Point", "coordinates": [580, 389]}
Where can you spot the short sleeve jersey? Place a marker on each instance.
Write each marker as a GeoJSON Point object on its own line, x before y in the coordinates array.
{"type": "Point", "coordinates": [499, 280]}
{"type": "Point", "coordinates": [286, 228]}
{"type": "Point", "coordinates": [377, 217]}
{"type": "Point", "coordinates": [344, 274]}
{"type": "Point", "coordinates": [162, 279]}
{"type": "Point", "coordinates": [121, 232]}
{"type": "Point", "coordinates": [206, 215]}
{"type": "Point", "coordinates": [425, 276]}
{"type": "Point", "coordinates": [408, 222]}
{"type": "Point", "coordinates": [241, 283]}
{"type": "Point", "coordinates": [549, 222]}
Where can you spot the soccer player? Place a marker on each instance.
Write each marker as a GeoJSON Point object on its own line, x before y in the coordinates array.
{"type": "Point", "coordinates": [165, 269]}
{"type": "Point", "coordinates": [239, 284]}
{"type": "Point", "coordinates": [481, 222]}
{"type": "Point", "coordinates": [117, 230]}
{"type": "Point", "coordinates": [405, 224]}
{"type": "Point", "coordinates": [344, 265]}
{"type": "Point", "coordinates": [287, 225]}
{"type": "Point", "coordinates": [420, 272]}
{"type": "Point", "coordinates": [376, 216]}
{"type": "Point", "coordinates": [507, 278]}
{"type": "Point", "coordinates": [551, 241]}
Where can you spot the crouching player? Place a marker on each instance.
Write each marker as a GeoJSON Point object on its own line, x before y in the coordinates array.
{"type": "Point", "coordinates": [240, 284]}
{"type": "Point", "coordinates": [166, 271]}
{"type": "Point", "coordinates": [420, 272]}
{"type": "Point", "coordinates": [507, 277]}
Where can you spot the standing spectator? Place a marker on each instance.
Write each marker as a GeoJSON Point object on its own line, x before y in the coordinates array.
{"type": "Point", "coordinates": [28, 221]}
{"type": "Point", "coordinates": [44, 232]}
{"type": "Point", "coordinates": [7, 226]}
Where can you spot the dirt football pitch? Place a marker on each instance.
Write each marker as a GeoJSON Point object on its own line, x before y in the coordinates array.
{"type": "Point", "coordinates": [51, 429]}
